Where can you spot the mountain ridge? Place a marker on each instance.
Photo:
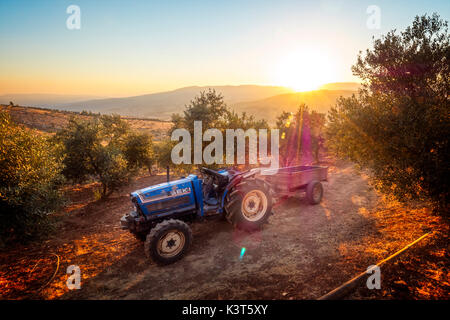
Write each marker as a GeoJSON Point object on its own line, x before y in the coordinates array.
{"type": "Point", "coordinates": [253, 99]}
{"type": "Point", "coordinates": [270, 108]}
{"type": "Point", "coordinates": [163, 104]}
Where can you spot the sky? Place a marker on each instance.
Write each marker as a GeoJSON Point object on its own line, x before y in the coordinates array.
{"type": "Point", "coordinates": [126, 48]}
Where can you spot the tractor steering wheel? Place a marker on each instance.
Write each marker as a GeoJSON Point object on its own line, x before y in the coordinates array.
{"type": "Point", "coordinates": [220, 178]}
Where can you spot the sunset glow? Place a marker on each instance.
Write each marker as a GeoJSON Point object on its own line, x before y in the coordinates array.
{"type": "Point", "coordinates": [304, 69]}
{"type": "Point", "coordinates": [163, 46]}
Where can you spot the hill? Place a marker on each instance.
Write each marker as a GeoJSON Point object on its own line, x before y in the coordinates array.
{"type": "Point", "coordinates": [352, 86]}
{"type": "Point", "coordinates": [49, 121]}
{"type": "Point", "coordinates": [43, 100]}
{"type": "Point", "coordinates": [262, 101]}
{"type": "Point", "coordinates": [162, 105]}
{"type": "Point", "coordinates": [270, 108]}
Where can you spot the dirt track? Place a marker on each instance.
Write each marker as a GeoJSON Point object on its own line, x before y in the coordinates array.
{"type": "Point", "coordinates": [303, 252]}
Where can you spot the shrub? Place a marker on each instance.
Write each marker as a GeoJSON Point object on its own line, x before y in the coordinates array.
{"type": "Point", "coordinates": [138, 151]}
{"type": "Point", "coordinates": [29, 182]}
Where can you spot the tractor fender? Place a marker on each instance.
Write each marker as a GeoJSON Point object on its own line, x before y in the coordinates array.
{"type": "Point", "coordinates": [239, 179]}
{"type": "Point", "coordinates": [230, 186]}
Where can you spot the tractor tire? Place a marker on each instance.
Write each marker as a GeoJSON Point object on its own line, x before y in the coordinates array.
{"type": "Point", "coordinates": [314, 192]}
{"type": "Point", "coordinates": [249, 205]}
{"type": "Point", "coordinates": [168, 241]}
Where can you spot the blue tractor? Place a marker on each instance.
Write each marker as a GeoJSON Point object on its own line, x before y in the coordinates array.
{"type": "Point", "coordinates": [242, 198]}
{"type": "Point", "coordinates": [161, 211]}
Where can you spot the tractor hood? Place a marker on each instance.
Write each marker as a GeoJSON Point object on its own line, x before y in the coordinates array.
{"type": "Point", "coordinates": [164, 190]}
{"type": "Point", "coordinates": [169, 197]}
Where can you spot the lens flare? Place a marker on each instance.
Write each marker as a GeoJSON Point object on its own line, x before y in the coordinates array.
{"type": "Point", "coordinates": [242, 253]}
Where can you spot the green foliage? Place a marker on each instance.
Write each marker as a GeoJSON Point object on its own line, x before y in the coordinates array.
{"type": "Point", "coordinates": [29, 182]}
{"type": "Point", "coordinates": [94, 149]}
{"type": "Point", "coordinates": [301, 136]}
{"type": "Point", "coordinates": [138, 151]}
{"type": "Point", "coordinates": [80, 142]}
{"type": "Point", "coordinates": [163, 157]}
{"type": "Point", "coordinates": [163, 152]}
{"type": "Point", "coordinates": [210, 108]}
{"type": "Point", "coordinates": [114, 130]}
{"type": "Point", "coordinates": [113, 170]}
{"type": "Point", "coordinates": [398, 125]}
{"type": "Point", "coordinates": [232, 120]}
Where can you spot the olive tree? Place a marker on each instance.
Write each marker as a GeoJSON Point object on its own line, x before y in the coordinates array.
{"type": "Point", "coordinates": [139, 152]}
{"type": "Point", "coordinates": [94, 149]}
{"type": "Point", "coordinates": [29, 182]}
{"type": "Point", "coordinates": [398, 125]}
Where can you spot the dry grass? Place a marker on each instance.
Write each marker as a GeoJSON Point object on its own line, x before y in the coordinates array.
{"type": "Point", "coordinates": [49, 121]}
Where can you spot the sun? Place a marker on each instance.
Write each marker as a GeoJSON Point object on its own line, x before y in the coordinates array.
{"type": "Point", "coordinates": [304, 69]}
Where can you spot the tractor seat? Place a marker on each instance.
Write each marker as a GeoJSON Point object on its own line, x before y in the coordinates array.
{"type": "Point", "coordinates": [211, 201]}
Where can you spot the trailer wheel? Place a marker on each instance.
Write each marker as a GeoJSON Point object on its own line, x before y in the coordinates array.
{"type": "Point", "coordinates": [249, 205]}
{"type": "Point", "coordinates": [314, 192]}
{"type": "Point", "coordinates": [168, 241]}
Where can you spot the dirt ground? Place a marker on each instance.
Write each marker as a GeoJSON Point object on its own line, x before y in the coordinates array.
{"type": "Point", "coordinates": [302, 253]}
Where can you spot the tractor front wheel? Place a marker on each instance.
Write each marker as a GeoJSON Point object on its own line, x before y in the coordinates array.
{"type": "Point", "coordinates": [249, 205]}
{"type": "Point", "coordinates": [168, 241]}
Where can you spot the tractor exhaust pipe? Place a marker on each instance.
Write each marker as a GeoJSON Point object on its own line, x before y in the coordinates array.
{"type": "Point", "coordinates": [168, 174]}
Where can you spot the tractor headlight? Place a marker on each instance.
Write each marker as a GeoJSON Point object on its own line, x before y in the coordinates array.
{"type": "Point", "coordinates": [136, 205]}
{"type": "Point", "coordinates": [134, 200]}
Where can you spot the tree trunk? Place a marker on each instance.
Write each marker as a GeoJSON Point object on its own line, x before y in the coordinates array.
{"type": "Point", "coordinates": [104, 189]}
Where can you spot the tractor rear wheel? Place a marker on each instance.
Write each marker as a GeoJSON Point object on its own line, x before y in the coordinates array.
{"type": "Point", "coordinates": [249, 205]}
{"type": "Point", "coordinates": [168, 241]}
